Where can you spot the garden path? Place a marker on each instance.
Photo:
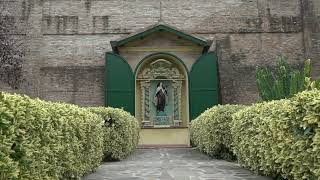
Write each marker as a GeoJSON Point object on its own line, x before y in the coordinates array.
{"type": "Point", "coordinates": [171, 164]}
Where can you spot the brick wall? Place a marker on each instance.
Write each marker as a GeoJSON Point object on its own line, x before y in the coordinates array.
{"type": "Point", "coordinates": [67, 39]}
{"type": "Point", "coordinates": [311, 9]}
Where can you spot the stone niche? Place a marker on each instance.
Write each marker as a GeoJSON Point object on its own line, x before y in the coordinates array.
{"type": "Point", "coordinates": [166, 77]}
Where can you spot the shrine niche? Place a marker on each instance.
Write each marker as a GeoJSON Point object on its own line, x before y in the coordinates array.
{"type": "Point", "coordinates": [161, 84]}
{"type": "Point", "coordinates": [165, 78]}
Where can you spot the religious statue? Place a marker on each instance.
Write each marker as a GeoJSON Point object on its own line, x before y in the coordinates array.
{"type": "Point", "coordinates": [161, 97]}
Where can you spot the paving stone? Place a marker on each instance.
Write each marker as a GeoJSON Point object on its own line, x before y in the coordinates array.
{"type": "Point", "coordinates": [171, 164]}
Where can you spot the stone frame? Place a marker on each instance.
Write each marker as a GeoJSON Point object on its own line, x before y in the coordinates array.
{"type": "Point", "coordinates": [160, 69]}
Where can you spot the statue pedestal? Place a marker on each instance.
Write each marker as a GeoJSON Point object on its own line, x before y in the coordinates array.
{"type": "Point", "coordinates": [164, 136]}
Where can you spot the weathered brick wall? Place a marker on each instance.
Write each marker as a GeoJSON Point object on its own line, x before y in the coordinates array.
{"type": "Point", "coordinates": [311, 9]}
{"type": "Point", "coordinates": [67, 39]}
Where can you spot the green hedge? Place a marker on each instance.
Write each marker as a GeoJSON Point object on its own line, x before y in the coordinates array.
{"type": "Point", "coordinates": [41, 140]}
{"type": "Point", "coordinates": [210, 132]}
{"type": "Point", "coordinates": [276, 138]}
{"type": "Point", "coordinates": [281, 137]}
{"type": "Point", "coordinates": [259, 134]}
{"type": "Point", "coordinates": [121, 132]}
{"type": "Point", "coordinates": [45, 140]}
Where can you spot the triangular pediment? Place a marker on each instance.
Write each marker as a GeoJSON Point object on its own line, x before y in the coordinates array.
{"type": "Point", "coordinates": [146, 32]}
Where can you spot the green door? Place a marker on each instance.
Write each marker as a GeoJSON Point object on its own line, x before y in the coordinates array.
{"type": "Point", "coordinates": [119, 83]}
{"type": "Point", "coordinates": [204, 91]}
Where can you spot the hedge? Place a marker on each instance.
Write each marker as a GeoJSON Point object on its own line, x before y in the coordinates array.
{"type": "Point", "coordinates": [45, 140]}
{"type": "Point", "coordinates": [260, 136]}
{"type": "Point", "coordinates": [41, 140]}
{"type": "Point", "coordinates": [210, 132]}
{"type": "Point", "coordinates": [281, 137]}
{"type": "Point", "coordinates": [277, 138]}
{"type": "Point", "coordinates": [121, 132]}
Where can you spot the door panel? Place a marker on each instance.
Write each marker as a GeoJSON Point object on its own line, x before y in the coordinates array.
{"type": "Point", "coordinates": [204, 88]}
{"type": "Point", "coordinates": [119, 83]}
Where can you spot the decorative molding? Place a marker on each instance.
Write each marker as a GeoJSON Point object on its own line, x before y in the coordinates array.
{"type": "Point", "coordinates": [145, 103]}
{"type": "Point", "coordinates": [177, 110]}
{"type": "Point", "coordinates": [159, 69]}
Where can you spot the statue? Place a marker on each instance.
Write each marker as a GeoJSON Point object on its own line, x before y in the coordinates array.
{"type": "Point", "coordinates": [161, 97]}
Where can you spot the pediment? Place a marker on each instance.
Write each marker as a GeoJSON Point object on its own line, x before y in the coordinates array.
{"type": "Point", "coordinates": [156, 30]}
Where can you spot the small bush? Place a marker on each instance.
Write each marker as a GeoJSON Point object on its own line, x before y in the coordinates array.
{"type": "Point", "coordinates": [121, 132]}
{"type": "Point", "coordinates": [211, 131]}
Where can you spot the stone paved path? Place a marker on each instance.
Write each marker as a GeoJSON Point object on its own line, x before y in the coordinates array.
{"type": "Point", "coordinates": [169, 164]}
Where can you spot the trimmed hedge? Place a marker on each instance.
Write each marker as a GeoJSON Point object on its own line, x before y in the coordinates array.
{"type": "Point", "coordinates": [281, 137]}
{"type": "Point", "coordinates": [121, 132]}
{"type": "Point", "coordinates": [45, 140]}
{"type": "Point", "coordinates": [276, 138]}
{"type": "Point", "coordinates": [41, 140]}
{"type": "Point", "coordinates": [259, 134]}
{"type": "Point", "coordinates": [210, 132]}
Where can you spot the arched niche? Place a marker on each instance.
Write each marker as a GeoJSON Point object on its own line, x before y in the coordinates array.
{"type": "Point", "coordinates": [169, 71]}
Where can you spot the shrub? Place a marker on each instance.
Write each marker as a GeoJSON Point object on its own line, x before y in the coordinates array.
{"type": "Point", "coordinates": [284, 82]}
{"type": "Point", "coordinates": [258, 135]}
{"type": "Point", "coordinates": [306, 126]}
{"type": "Point", "coordinates": [275, 138]}
{"type": "Point", "coordinates": [280, 137]}
{"type": "Point", "coordinates": [42, 140]}
{"type": "Point", "coordinates": [45, 140]}
{"type": "Point", "coordinates": [121, 132]}
{"type": "Point", "coordinates": [210, 132]}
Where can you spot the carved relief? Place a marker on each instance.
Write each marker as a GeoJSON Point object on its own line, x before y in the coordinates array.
{"type": "Point", "coordinates": [145, 99]}
{"type": "Point", "coordinates": [177, 87]}
{"type": "Point", "coordinates": [161, 68]}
